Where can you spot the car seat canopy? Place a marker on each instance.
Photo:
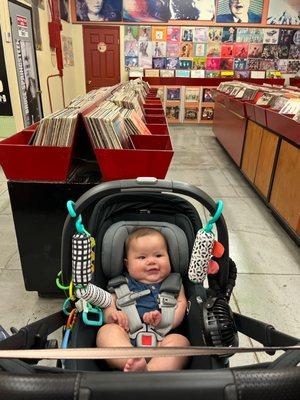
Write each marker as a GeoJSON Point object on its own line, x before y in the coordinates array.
{"type": "Point", "coordinates": [114, 240]}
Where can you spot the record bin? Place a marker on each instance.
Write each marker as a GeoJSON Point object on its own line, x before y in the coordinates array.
{"type": "Point", "coordinates": [151, 157]}
{"type": "Point", "coordinates": [22, 161]}
{"type": "Point", "coordinates": [284, 125]}
{"type": "Point", "coordinates": [260, 114]}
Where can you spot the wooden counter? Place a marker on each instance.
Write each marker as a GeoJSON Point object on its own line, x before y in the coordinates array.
{"type": "Point", "coordinates": [267, 149]}
{"type": "Point", "coordinates": [285, 196]}
{"type": "Point", "coordinates": [231, 135]}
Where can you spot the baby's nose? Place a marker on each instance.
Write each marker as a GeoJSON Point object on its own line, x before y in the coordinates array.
{"type": "Point", "coordinates": [151, 260]}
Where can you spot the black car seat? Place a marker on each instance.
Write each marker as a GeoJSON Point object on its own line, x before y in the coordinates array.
{"type": "Point", "coordinates": [112, 219]}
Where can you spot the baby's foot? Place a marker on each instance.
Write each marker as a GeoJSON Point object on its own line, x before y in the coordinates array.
{"type": "Point", "coordinates": [136, 365]}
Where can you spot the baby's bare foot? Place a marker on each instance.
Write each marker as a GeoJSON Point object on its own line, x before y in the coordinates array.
{"type": "Point", "coordinates": [136, 365]}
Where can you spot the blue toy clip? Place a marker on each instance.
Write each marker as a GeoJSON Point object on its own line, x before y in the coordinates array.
{"type": "Point", "coordinates": [92, 310]}
{"type": "Point", "coordinates": [70, 207]}
{"type": "Point", "coordinates": [79, 225]}
{"type": "Point", "coordinates": [217, 215]}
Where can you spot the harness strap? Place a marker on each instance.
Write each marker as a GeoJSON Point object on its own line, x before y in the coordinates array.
{"type": "Point", "coordinates": [169, 291]}
{"type": "Point", "coordinates": [126, 301]}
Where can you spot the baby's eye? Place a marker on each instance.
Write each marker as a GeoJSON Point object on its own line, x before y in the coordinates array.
{"type": "Point", "coordinates": [141, 257]}
{"type": "Point", "coordinates": [158, 255]}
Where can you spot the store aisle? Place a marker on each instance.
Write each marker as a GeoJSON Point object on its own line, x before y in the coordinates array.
{"type": "Point", "coordinates": [268, 261]}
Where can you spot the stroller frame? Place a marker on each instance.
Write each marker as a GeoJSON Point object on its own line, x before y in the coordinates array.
{"type": "Point", "coordinates": [277, 380]}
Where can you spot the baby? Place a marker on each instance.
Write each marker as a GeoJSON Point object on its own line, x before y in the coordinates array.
{"type": "Point", "coordinates": [148, 264]}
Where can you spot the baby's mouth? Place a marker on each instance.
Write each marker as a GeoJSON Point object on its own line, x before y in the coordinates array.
{"type": "Point", "coordinates": [153, 271]}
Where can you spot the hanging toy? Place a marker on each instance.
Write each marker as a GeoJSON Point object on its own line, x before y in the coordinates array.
{"type": "Point", "coordinates": [82, 272]}
{"type": "Point", "coordinates": [94, 295]}
{"type": "Point", "coordinates": [205, 247]}
{"type": "Point", "coordinates": [81, 259]}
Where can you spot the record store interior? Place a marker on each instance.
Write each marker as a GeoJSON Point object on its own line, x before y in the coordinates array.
{"type": "Point", "coordinates": [160, 99]}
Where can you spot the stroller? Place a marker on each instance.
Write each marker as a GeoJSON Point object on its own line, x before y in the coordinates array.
{"type": "Point", "coordinates": [113, 210]}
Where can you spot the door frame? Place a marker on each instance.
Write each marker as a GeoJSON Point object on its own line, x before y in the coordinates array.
{"type": "Point", "coordinates": [89, 26]}
{"type": "Point", "coordinates": [34, 54]}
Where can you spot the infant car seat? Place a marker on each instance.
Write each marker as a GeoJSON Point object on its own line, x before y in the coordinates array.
{"type": "Point", "coordinates": [112, 219]}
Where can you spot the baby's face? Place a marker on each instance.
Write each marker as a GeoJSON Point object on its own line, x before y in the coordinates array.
{"type": "Point", "coordinates": [148, 260]}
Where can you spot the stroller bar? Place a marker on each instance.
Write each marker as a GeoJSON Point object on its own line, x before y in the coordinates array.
{"type": "Point", "coordinates": [134, 352]}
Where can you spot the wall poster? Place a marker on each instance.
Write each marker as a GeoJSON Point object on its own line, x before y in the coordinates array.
{"type": "Point", "coordinates": [284, 12]}
{"type": "Point", "coordinates": [240, 11]}
{"type": "Point", "coordinates": [201, 10]}
{"type": "Point", "coordinates": [5, 103]}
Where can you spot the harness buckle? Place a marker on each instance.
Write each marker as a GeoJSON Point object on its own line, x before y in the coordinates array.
{"type": "Point", "coordinates": [166, 300]}
{"type": "Point", "coordinates": [146, 337]}
{"type": "Point", "coordinates": [130, 298]}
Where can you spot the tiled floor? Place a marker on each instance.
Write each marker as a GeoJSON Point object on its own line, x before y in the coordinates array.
{"type": "Point", "coordinates": [268, 261]}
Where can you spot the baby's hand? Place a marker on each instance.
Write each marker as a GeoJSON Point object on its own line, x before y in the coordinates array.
{"type": "Point", "coordinates": [152, 318]}
{"type": "Point", "coordinates": [118, 317]}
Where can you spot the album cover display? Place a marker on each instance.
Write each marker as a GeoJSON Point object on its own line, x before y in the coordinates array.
{"type": "Point", "coordinates": [207, 95]}
{"type": "Point", "coordinates": [207, 113]}
{"type": "Point", "coordinates": [191, 94]}
{"type": "Point", "coordinates": [179, 47]}
{"type": "Point", "coordinates": [173, 93]}
{"type": "Point", "coordinates": [172, 112]}
{"type": "Point", "coordinates": [191, 113]}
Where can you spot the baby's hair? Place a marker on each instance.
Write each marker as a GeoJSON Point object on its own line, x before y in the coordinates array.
{"type": "Point", "coordinates": [141, 232]}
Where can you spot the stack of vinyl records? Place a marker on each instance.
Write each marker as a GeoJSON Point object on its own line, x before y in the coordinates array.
{"type": "Point", "coordinates": [111, 126]}
{"type": "Point", "coordinates": [107, 127]}
{"type": "Point", "coordinates": [127, 98]}
{"type": "Point", "coordinates": [57, 129]}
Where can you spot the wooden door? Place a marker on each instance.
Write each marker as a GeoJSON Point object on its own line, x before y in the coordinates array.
{"type": "Point", "coordinates": [101, 55]}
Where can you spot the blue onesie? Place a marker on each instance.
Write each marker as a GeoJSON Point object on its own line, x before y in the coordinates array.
{"type": "Point", "coordinates": [146, 303]}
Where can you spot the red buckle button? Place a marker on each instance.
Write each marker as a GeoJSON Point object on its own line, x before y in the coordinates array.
{"type": "Point", "coordinates": [146, 340]}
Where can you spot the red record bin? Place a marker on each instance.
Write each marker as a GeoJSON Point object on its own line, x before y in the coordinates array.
{"type": "Point", "coordinates": [151, 157]}
{"type": "Point", "coordinates": [260, 115]}
{"type": "Point", "coordinates": [284, 125]}
{"type": "Point", "coordinates": [22, 161]}
{"type": "Point", "coordinates": [155, 119]}
{"type": "Point", "coordinates": [158, 129]}
{"type": "Point", "coordinates": [153, 111]}
{"type": "Point", "coordinates": [153, 102]}
{"type": "Point", "coordinates": [250, 110]}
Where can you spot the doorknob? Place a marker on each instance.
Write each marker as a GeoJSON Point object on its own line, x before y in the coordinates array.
{"type": "Point", "coordinates": [89, 82]}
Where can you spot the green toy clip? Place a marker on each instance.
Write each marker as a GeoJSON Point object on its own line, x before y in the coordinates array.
{"type": "Point", "coordinates": [92, 310]}
{"type": "Point", "coordinates": [58, 284]}
{"type": "Point", "coordinates": [214, 219]}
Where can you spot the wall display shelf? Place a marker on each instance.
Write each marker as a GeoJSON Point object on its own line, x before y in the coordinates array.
{"type": "Point", "coordinates": [214, 82]}
{"type": "Point", "coordinates": [266, 147]}
{"type": "Point", "coordinates": [187, 104]}
{"type": "Point", "coordinates": [190, 100]}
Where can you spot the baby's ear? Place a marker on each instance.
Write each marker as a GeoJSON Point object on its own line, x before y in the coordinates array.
{"type": "Point", "coordinates": [125, 262]}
